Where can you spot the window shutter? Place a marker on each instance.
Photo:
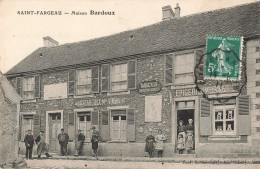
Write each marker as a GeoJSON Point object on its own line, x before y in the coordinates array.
{"type": "Point", "coordinates": [37, 87]}
{"type": "Point", "coordinates": [20, 127]}
{"type": "Point", "coordinates": [36, 125]}
{"type": "Point", "coordinates": [205, 118]}
{"type": "Point", "coordinates": [19, 85]}
{"type": "Point", "coordinates": [243, 115]}
{"type": "Point", "coordinates": [104, 78]}
{"type": "Point", "coordinates": [168, 69]}
{"type": "Point", "coordinates": [71, 128]}
{"type": "Point", "coordinates": [105, 126]}
{"type": "Point", "coordinates": [71, 82]}
{"type": "Point", "coordinates": [200, 69]}
{"type": "Point", "coordinates": [94, 119]}
{"type": "Point", "coordinates": [95, 81]}
{"type": "Point", "coordinates": [131, 74]}
{"type": "Point", "coordinates": [130, 130]}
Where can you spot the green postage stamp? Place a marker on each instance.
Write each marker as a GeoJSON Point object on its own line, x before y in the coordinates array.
{"type": "Point", "coordinates": [224, 57]}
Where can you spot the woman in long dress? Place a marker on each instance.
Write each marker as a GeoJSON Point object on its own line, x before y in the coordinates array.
{"type": "Point", "coordinates": [149, 146]}
{"type": "Point", "coordinates": [160, 138]}
{"type": "Point", "coordinates": [181, 137]}
{"type": "Point", "coordinates": [189, 136]}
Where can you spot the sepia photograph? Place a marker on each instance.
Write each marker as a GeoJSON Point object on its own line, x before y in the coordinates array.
{"type": "Point", "coordinates": [120, 84]}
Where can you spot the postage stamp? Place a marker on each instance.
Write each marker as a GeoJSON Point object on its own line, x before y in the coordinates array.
{"type": "Point", "coordinates": [224, 56]}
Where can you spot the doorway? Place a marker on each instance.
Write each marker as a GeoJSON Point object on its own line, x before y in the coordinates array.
{"type": "Point", "coordinates": [54, 130]}
{"type": "Point", "coordinates": [189, 136]}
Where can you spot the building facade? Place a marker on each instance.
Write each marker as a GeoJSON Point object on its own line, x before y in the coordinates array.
{"type": "Point", "coordinates": [144, 80]}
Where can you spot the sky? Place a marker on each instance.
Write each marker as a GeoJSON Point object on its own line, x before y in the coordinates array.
{"type": "Point", "coordinates": [20, 35]}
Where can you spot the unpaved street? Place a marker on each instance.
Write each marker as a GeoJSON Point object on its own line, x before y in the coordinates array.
{"type": "Point", "coordinates": [70, 164]}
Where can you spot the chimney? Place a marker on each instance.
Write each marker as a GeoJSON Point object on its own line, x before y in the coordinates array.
{"type": "Point", "coordinates": [49, 42]}
{"type": "Point", "coordinates": [167, 13]}
{"type": "Point", "coordinates": [177, 11]}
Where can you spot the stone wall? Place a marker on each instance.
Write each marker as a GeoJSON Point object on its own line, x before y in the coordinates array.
{"type": "Point", "coordinates": [253, 89]}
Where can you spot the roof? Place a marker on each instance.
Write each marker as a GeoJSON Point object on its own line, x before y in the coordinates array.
{"type": "Point", "coordinates": [184, 32]}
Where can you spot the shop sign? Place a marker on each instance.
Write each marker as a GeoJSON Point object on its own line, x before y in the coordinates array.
{"type": "Point", "coordinates": [210, 90]}
{"type": "Point", "coordinates": [100, 102]}
{"type": "Point", "coordinates": [149, 87]}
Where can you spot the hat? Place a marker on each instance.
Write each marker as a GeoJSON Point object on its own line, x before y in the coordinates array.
{"type": "Point", "coordinates": [159, 130]}
{"type": "Point", "coordinates": [62, 129]}
{"type": "Point", "coordinates": [93, 127]}
{"type": "Point", "coordinates": [181, 121]}
{"type": "Point", "coordinates": [29, 130]}
{"type": "Point", "coordinates": [42, 131]}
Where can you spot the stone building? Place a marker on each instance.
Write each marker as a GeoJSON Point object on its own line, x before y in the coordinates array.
{"type": "Point", "coordinates": [142, 80]}
{"type": "Point", "coordinates": [9, 122]}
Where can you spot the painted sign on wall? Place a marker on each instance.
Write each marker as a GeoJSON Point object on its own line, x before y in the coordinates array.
{"type": "Point", "coordinates": [149, 87]}
{"type": "Point", "coordinates": [100, 102]}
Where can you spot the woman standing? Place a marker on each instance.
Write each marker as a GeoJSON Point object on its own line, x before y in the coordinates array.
{"type": "Point", "coordinates": [181, 137]}
{"type": "Point", "coordinates": [190, 136]}
{"type": "Point", "coordinates": [159, 142]}
{"type": "Point", "coordinates": [149, 146]}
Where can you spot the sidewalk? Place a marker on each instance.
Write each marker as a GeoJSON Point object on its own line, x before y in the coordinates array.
{"type": "Point", "coordinates": [184, 160]}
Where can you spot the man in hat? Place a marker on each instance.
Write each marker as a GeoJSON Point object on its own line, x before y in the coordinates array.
{"type": "Point", "coordinates": [63, 141]}
{"type": "Point", "coordinates": [42, 146]}
{"type": "Point", "coordinates": [79, 143]}
{"type": "Point", "coordinates": [94, 140]}
{"type": "Point", "coordinates": [29, 142]}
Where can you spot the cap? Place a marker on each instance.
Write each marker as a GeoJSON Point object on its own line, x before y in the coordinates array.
{"type": "Point", "coordinates": [29, 130]}
{"type": "Point", "coordinates": [181, 121]}
{"type": "Point", "coordinates": [42, 131]}
{"type": "Point", "coordinates": [93, 127]}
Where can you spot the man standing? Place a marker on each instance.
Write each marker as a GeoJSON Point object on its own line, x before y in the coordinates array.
{"type": "Point", "coordinates": [63, 140]}
{"type": "Point", "coordinates": [94, 140]}
{"type": "Point", "coordinates": [79, 143]}
{"type": "Point", "coordinates": [42, 146]}
{"type": "Point", "coordinates": [29, 142]}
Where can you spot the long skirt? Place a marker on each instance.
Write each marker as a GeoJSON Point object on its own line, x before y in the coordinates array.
{"type": "Point", "coordinates": [149, 146]}
{"type": "Point", "coordinates": [78, 145]}
{"type": "Point", "coordinates": [95, 145]}
{"type": "Point", "coordinates": [42, 148]}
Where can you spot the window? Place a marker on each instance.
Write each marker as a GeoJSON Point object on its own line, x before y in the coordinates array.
{"type": "Point", "coordinates": [119, 77]}
{"type": "Point", "coordinates": [224, 120]}
{"type": "Point", "coordinates": [83, 81]}
{"type": "Point", "coordinates": [118, 124]}
{"type": "Point", "coordinates": [27, 124]}
{"type": "Point", "coordinates": [183, 68]}
{"type": "Point", "coordinates": [28, 88]}
{"type": "Point", "coordinates": [84, 123]}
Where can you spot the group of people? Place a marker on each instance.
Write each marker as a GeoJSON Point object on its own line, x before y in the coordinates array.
{"type": "Point", "coordinates": [63, 139]}
{"type": "Point", "coordinates": [185, 137]}
{"type": "Point", "coordinates": [185, 140]}
{"type": "Point", "coordinates": [155, 143]}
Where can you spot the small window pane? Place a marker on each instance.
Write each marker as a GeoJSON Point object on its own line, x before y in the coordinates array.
{"type": "Point", "coordinates": [88, 118]}
{"type": "Point", "coordinates": [230, 126]}
{"type": "Point", "coordinates": [115, 117]}
{"type": "Point", "coordinates": [219, 126]}
{"type": "Point", "coordinates": [53, 117]}
{"type": "Point", "coordinates": [58, 116]}
{"type": "Point", "coordinates": [229, 114]}
{"type": "Point", "coordinates": [219, 115]}
{"type": "Point", "coordinates": [123, 117]}
{"type": "Point", "coordinates": [81, 118]}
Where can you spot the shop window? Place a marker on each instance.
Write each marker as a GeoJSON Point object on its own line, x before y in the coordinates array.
{"type": "Point", "coordinates": [83, 83]}
{"type": "Point", "coordinates": [119, 77]}
{"type": "Point", "coordinates": [27, 124]}
{"type": "Point", "coordinates": [118, 124]}
{"type": "Point", "coordinates": [84, 123]}
{"type": "Point", "coordinates": [184, 68]}
{"type": "Point", "coordinates": [224, 120]}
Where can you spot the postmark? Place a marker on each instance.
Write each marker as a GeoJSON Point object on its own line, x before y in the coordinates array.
{"type": "Point", "coordinates": [224, 68]}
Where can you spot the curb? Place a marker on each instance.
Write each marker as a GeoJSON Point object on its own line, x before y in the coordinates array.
{"type": "Point", "coordinates": [167, 160]}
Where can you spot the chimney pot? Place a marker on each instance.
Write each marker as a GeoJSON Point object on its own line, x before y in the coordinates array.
{"type": "Point", "coordinates": [49, 42]}
{"type": "Point", "coordinates": [167, 13]}
{"type": "Point", "coordinates": [177, 11]}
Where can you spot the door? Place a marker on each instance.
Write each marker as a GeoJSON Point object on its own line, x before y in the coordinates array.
{"type": "Point", "coordinates": [119, 127]}
{"type": "Point", "coordinates": [84, 124]}
{"type": "Point", "coordinates": [55, 127]}
{"type": "Point", "coordinates": [185, 115]}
